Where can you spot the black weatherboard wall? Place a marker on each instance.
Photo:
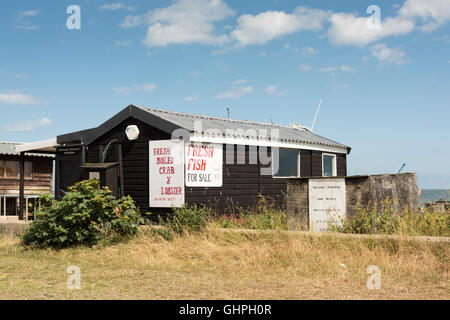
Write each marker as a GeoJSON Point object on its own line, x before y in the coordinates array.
{"type": "Point", "coordinates": [242, 181]}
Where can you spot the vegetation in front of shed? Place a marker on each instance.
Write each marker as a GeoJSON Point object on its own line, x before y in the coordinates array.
{"type": "Point", "coordinates": [224, 264]}
{"type": "Point", "coordinates": [184, 220]}
{"type": "Point", "coordinates": [265, 215]}
{"type": "Point", "coordinates": [382, 218]}
{"type": "Point", "coordinates": [86, 215]}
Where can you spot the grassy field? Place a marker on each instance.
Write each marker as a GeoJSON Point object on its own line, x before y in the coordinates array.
{"type": "Point", "coordinates": [227, 265]}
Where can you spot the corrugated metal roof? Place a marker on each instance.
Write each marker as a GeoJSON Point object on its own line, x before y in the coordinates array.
{"type": "Point", "coordinates": [293, 134]}
{"type": "Point", "coordinates": [9, 148]}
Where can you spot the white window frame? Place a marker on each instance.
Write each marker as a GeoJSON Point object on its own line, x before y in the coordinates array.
{"type": "Point", "coordinates": [298, 166]}
{"type": "Point", "coordinates": [334, 166]}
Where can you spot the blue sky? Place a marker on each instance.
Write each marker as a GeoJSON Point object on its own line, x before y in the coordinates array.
{"type": "Point", "coordinates": [385, 90]}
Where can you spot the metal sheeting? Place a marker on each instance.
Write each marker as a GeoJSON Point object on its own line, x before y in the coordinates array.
{"type": "Point", "coordinates": [9, 148]}
{"type": "Point", "coordinates": [237, 128]}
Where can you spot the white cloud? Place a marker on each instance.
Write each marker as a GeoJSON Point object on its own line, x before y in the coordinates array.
{"type": "Point", "coordinates": [194, 73]}
{"type": "Point", "coordinates": [26, 25]}
{"type": "Point", "coordinates": [28, 125]}
{"type": "Point", "coordinates": [21, 76]}
{"type": "Point", "coordinates": [122, 90]}
{"type": "Point", "coordinates": [342, 85]}
{"type": "Point", "coordinates": [347, 68]}
{"type": "Point", "coordinates": [305, 67]}
{"type": "Point", "coordinates": [235, 92]}
{"type": "Point", "coordinates": [124, 43]}
{"type": "Point", "coordinates": [184, 22]}
{"type": "Point", "coordinates": [328, 69]}
{"type": "Point", "coordinates": [135, 88]}
{"type": "Point", "coordinates": [269, 25]}
{"type": "Point", "coordinates": [387, 55]}
{"type": "Point", "coordinates": [20, 98]}
{"type": "Point", "coordinates": [273, 89]}
{"type": "Point", "coordinates": [240, 81]}
{"type": "Point", "coordinates": [191, 99]}
{"type": "Point", "coordinates": [306, 51]}
{"type": "Point", "coordinates": [145, 87]}
{"type": "Point", "coordinates": [432, 13]}
{"type": "Point", "coordinates": [29, 13]}
{"type": "Point", "coordinates": [347, 29]}
{"type": "Point", "coordinates": [116, 6]}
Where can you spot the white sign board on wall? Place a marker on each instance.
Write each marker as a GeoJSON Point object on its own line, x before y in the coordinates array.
{"type": "Point", "coordinates": [327, 203]}
{"type": "Point", "coordinates": [204, 165]}
{"type": "Point", "coordinates": [166, 173]}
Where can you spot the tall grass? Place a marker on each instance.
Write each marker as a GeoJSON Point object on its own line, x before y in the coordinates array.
{"type": "Point", "coordinates": [264, 215]}
{"type": "Point", "coordinates": [382, 218]}
{"type": "Point", "coordinates": [218, 264]}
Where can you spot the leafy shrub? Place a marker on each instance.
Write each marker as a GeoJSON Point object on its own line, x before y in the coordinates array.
{"type": "Point", "coordinates": [84, 216]}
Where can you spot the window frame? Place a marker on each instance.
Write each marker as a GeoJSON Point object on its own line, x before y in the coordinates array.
{"type": "Point", "coordinates": [18, 170]}
{"type": "Point", "coordinates": [333, 166]}
{"type": "Point", "coordinates": [18, 174]}
{"type": "Point", "coordinates": [298, 165]}
{"type": "Point", "coordinates": [31, 176]}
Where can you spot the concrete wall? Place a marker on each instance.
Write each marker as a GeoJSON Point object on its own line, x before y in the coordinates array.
{"type": "Point", "coordinates": [360, 191]}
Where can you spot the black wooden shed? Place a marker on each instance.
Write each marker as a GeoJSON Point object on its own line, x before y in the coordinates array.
{"type": "Point", "coordinates": [241, 159]}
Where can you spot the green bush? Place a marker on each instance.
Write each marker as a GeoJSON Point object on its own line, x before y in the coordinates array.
{"type": "Point", "coordinates": [84, 216]}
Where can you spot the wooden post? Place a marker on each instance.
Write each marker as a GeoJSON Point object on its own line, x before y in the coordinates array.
{"type": "Point", "coordinates": [22, 185]}
{"type": "Point", "coordinates": [119, 158]}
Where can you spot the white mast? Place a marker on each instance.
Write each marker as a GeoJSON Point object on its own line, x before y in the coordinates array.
{"type": "Point", "coordinates": [317, 112]}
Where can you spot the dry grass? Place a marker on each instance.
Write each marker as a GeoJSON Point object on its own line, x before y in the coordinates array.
{"type": "Point", "coordinates": [229, 265]}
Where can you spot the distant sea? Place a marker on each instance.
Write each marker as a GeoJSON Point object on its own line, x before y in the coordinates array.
{"type": "Point", "coordinates": [433, 195]}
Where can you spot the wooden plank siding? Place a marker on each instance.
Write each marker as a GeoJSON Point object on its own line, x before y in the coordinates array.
{"type": "Point", "coordinates": [42, 177]}
{"type": "Point", "coordinates": [242, 181]}
{"type": "Point", "coordinates": [135, 156]}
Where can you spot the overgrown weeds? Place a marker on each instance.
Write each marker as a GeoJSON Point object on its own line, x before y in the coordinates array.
{"type": "Point", "coordinates": [265, 215]}
{"type": "Point", "coordinates": [382, 218]}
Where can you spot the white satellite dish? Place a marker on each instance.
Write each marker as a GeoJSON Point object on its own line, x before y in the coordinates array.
{"type": "Point", "coordinates": [132, 132]}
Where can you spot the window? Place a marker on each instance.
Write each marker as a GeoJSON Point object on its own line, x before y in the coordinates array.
{"type": "Point", "coordinates": [12, 169]}
{"type": "Point", "coordinates": [28, 170]}
{"type": "Point", "coordinates": [329, 165]}
{"type": "Point", "coordinates": [288, 164]}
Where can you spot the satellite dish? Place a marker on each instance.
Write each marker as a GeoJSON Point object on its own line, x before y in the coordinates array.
{"type": "Point", "coordinates": [132, 132]}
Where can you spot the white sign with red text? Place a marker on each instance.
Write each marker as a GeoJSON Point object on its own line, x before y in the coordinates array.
{"type": "Point", "coordinates": [166, 173]}
{"type": "Point", "coordinates": [203, 165]}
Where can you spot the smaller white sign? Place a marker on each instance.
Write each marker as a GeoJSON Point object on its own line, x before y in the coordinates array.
{"type": "Point", "coordinates": [327, 203]}
{"type": "Point", "coordinates": [166, 173]}
{"type": "Point", "coordinates": [204, 165]}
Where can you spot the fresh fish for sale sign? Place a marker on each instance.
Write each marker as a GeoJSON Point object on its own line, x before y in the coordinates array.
{"type": "Point", "coordinates": [203, 165]}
